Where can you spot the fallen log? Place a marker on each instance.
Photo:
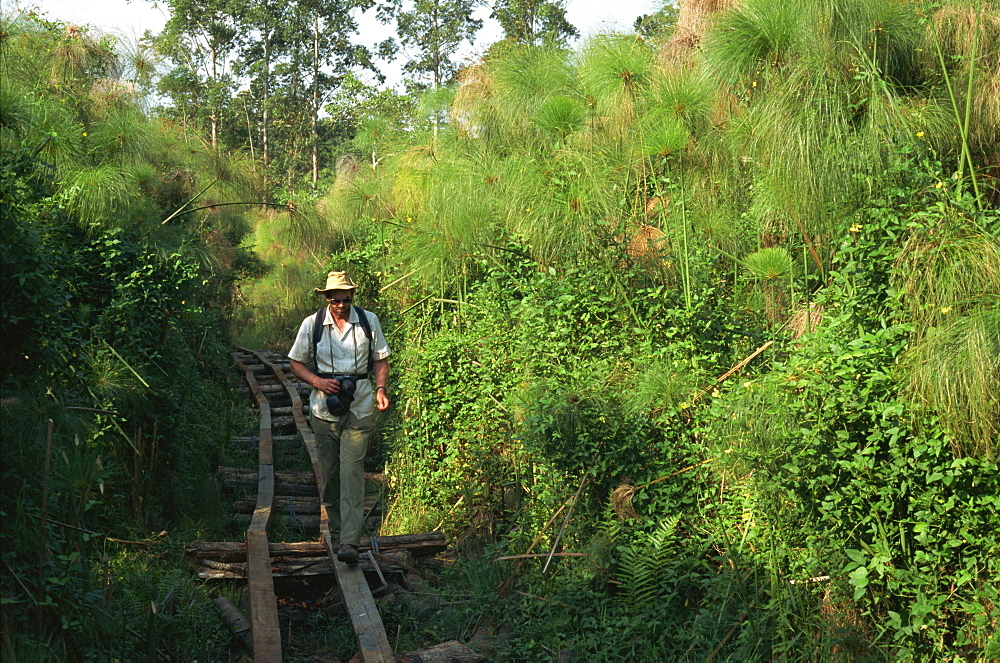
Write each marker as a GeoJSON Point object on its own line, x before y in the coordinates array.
{"type": "Point", "coordinates": [250, 485]}
{"type": "Point", "coordinates": [283, 423]}
{"type": "Point", "coordinates": [234, 620]}
{"type": "Point", "coordinates": [282, 476]}
{"type": "Point", "coordinates": [423, 544]}
{"type": "Point", "coordinates": [276, 440]}
{"type": "Point", "coordinates": [305, 506]}
{"type": "Point", "coordinates": [278, 411]}
{"type": "Point", "coordinates": [452, 651]}
{"type": "Point", "coordinates": [298, 567]}
{"type": "Point", "coordinates": [262, 368]}
{"type": "Point", "coordinates": [309, 524]}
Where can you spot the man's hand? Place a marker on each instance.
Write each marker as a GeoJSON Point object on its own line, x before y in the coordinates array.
{"type": "Point", "coordinates": [326, 385]}
{"type": "Point", "coordinates": [381, 400]}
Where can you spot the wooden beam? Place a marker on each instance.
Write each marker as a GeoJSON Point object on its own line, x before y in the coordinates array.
{"type": "Point", "coordinates": [361, 609]}
{"type": "Point", "coordinates": [373, 644]}
{"type": "Point", "coordinates": [263, 603]}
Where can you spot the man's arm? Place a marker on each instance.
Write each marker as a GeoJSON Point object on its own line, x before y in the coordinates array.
{"type": "Point", "coordinates": [327, 386]}
{"type": "Point", "coordinates": [381, 380]}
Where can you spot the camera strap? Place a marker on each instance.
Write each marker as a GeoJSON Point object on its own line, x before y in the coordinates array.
{"type": "Point", "coordinates": [318, 334]}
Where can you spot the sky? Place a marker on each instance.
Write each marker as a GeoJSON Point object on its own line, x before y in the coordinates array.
{"type": "Point", "coordinates": [132, 18]}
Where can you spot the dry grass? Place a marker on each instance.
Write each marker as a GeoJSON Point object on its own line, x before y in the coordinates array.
{"type": "Point", "coordinates": [806, 319]}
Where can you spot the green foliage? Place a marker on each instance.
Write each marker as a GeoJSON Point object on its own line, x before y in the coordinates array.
{"type": "Point", "coordinates": [432, 30]}
{"type": "Point", "coordinates": [554, 245]}
{"type": "Point", "coordinates": [533, 21]}
{"type": "Point", "coordinates": [115, 295]}
{"type": "Point", "coordinates": [829, 431]}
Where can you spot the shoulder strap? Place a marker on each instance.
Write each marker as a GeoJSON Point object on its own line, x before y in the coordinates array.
{"type": "Point", "coordinates": [317, 335]}
{"type": "Point", "coordinates": [363, 321]}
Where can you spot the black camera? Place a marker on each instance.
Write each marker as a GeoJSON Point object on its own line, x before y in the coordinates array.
{"type": "Point", "coordinates": [340, 403]}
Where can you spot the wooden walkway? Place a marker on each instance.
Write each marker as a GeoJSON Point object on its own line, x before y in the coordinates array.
{"type": "Point", "coordinates": [373, 644]}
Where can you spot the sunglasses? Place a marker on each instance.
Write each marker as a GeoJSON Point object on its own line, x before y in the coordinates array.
{"type": "Point", "coordinates": [347, 300]}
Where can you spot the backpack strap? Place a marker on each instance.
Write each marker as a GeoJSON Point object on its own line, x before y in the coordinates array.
{"type": "Point", "coordinates": [365, 326]}
{"type": "Point", "coordinates": [317, 335]}
{"type": "Point", "coordinates": [363, 321]}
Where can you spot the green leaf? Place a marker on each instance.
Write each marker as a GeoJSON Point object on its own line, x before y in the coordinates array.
{"type": "Point", "coordinates": [855, 555]}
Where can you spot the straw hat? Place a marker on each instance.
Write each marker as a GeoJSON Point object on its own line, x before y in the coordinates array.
{"type": "Point", "coordinates": [338, 281]}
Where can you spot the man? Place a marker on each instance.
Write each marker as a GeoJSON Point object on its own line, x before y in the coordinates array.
{"type": "Point", "coordinates": [342, 355]}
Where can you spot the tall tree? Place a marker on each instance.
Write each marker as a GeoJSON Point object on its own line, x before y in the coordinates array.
{"type": "Point", "coordinates": [534, 21]}
{"type": "Point", "coordinates": [430, 31]}
{"type": "Point", "coordinates": [200, 38]}
{"type": "Point", "coordinates": [290, 55]}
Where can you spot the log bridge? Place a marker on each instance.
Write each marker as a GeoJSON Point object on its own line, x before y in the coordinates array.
{"type": "Point", "coordinates": [258, 561]}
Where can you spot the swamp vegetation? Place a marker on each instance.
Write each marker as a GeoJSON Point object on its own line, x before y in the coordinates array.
{"type": "Point", "coordinates": [717, 311]}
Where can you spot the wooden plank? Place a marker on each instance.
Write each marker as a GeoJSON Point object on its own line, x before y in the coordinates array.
{"type": "Point", "coordinates": [305, 432]}
{"type": "Point", "coordinates": [361, 609]}
{"type": "Point", "coordinates": [263, 603]}
{"type": "Point", "coordinates": [373, 644]}
{"type": "Point", "coordinates": [265, 453]}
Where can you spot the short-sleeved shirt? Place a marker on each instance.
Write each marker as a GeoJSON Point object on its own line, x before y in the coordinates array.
{"type": "Point", "coordinates": [341, 353]}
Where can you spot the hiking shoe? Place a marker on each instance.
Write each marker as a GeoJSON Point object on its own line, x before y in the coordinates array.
{"type": "Point", "coordinates": [347, 553]}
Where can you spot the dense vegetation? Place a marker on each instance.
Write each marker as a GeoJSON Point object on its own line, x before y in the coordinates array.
{"type": "Point", "coordinates": [720, 310]}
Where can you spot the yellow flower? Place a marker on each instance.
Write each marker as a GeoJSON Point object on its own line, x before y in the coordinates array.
{"type": "Point", "coordinates": [754, 84]}
{"type": "Point", "coordinates": [84, 134]}
{"type": "Point", "coordinates": [856, 228]}
{"type": "Point", "coordinates": [939, 185]}
{"type": "Point", "coordinates": [946, 310]}
{"type": "Point", "coordinates": [920, 134]}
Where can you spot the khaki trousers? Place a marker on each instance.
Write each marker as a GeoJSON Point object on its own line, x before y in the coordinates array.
{"type": "Point", "coordinates": [342, 445]}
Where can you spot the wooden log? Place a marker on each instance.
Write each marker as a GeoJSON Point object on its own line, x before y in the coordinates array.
{"type": "Point", "coordinates": [277, 412]}
{"type": "Point", "coordinates": [452, 651]}
{"type": "Point", "coordinates": [284, 441]}
{"type": "Point", "coordinates": [264, 368]}
{"type": "Point", "coordinates": [234, 620]}
{"type": "Point", "coordinates": [295, 477]}
{"type": "Point", "coordinates": [420, 545]}
{"type": "Point", "coordinates": [296, 489]}
{"type": "Point", "coordinates": [305, 477]}
{"type": "Point", "coordinates": [283, 423]}
{"type": "Point", "coordinates": [255, 355]}
{"type": "Point", "coordinates": [304, 506]}
{"type": "Point", "coordinates": [276, 388]}
{"type": "Point", "coordinates": [309, 524]}
{"type": "Point", "coordinates": [294, 567]}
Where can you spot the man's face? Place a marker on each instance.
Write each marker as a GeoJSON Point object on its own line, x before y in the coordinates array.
{"type": "Point", "coordinates": [340, 300]}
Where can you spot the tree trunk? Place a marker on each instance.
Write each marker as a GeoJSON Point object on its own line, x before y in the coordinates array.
{"type": "Point", "coordinates": [213, 116]}
{"type": "Point", "coordinates": [265, 147]}
{"type": "Point", "coordinates": [314, 134]}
